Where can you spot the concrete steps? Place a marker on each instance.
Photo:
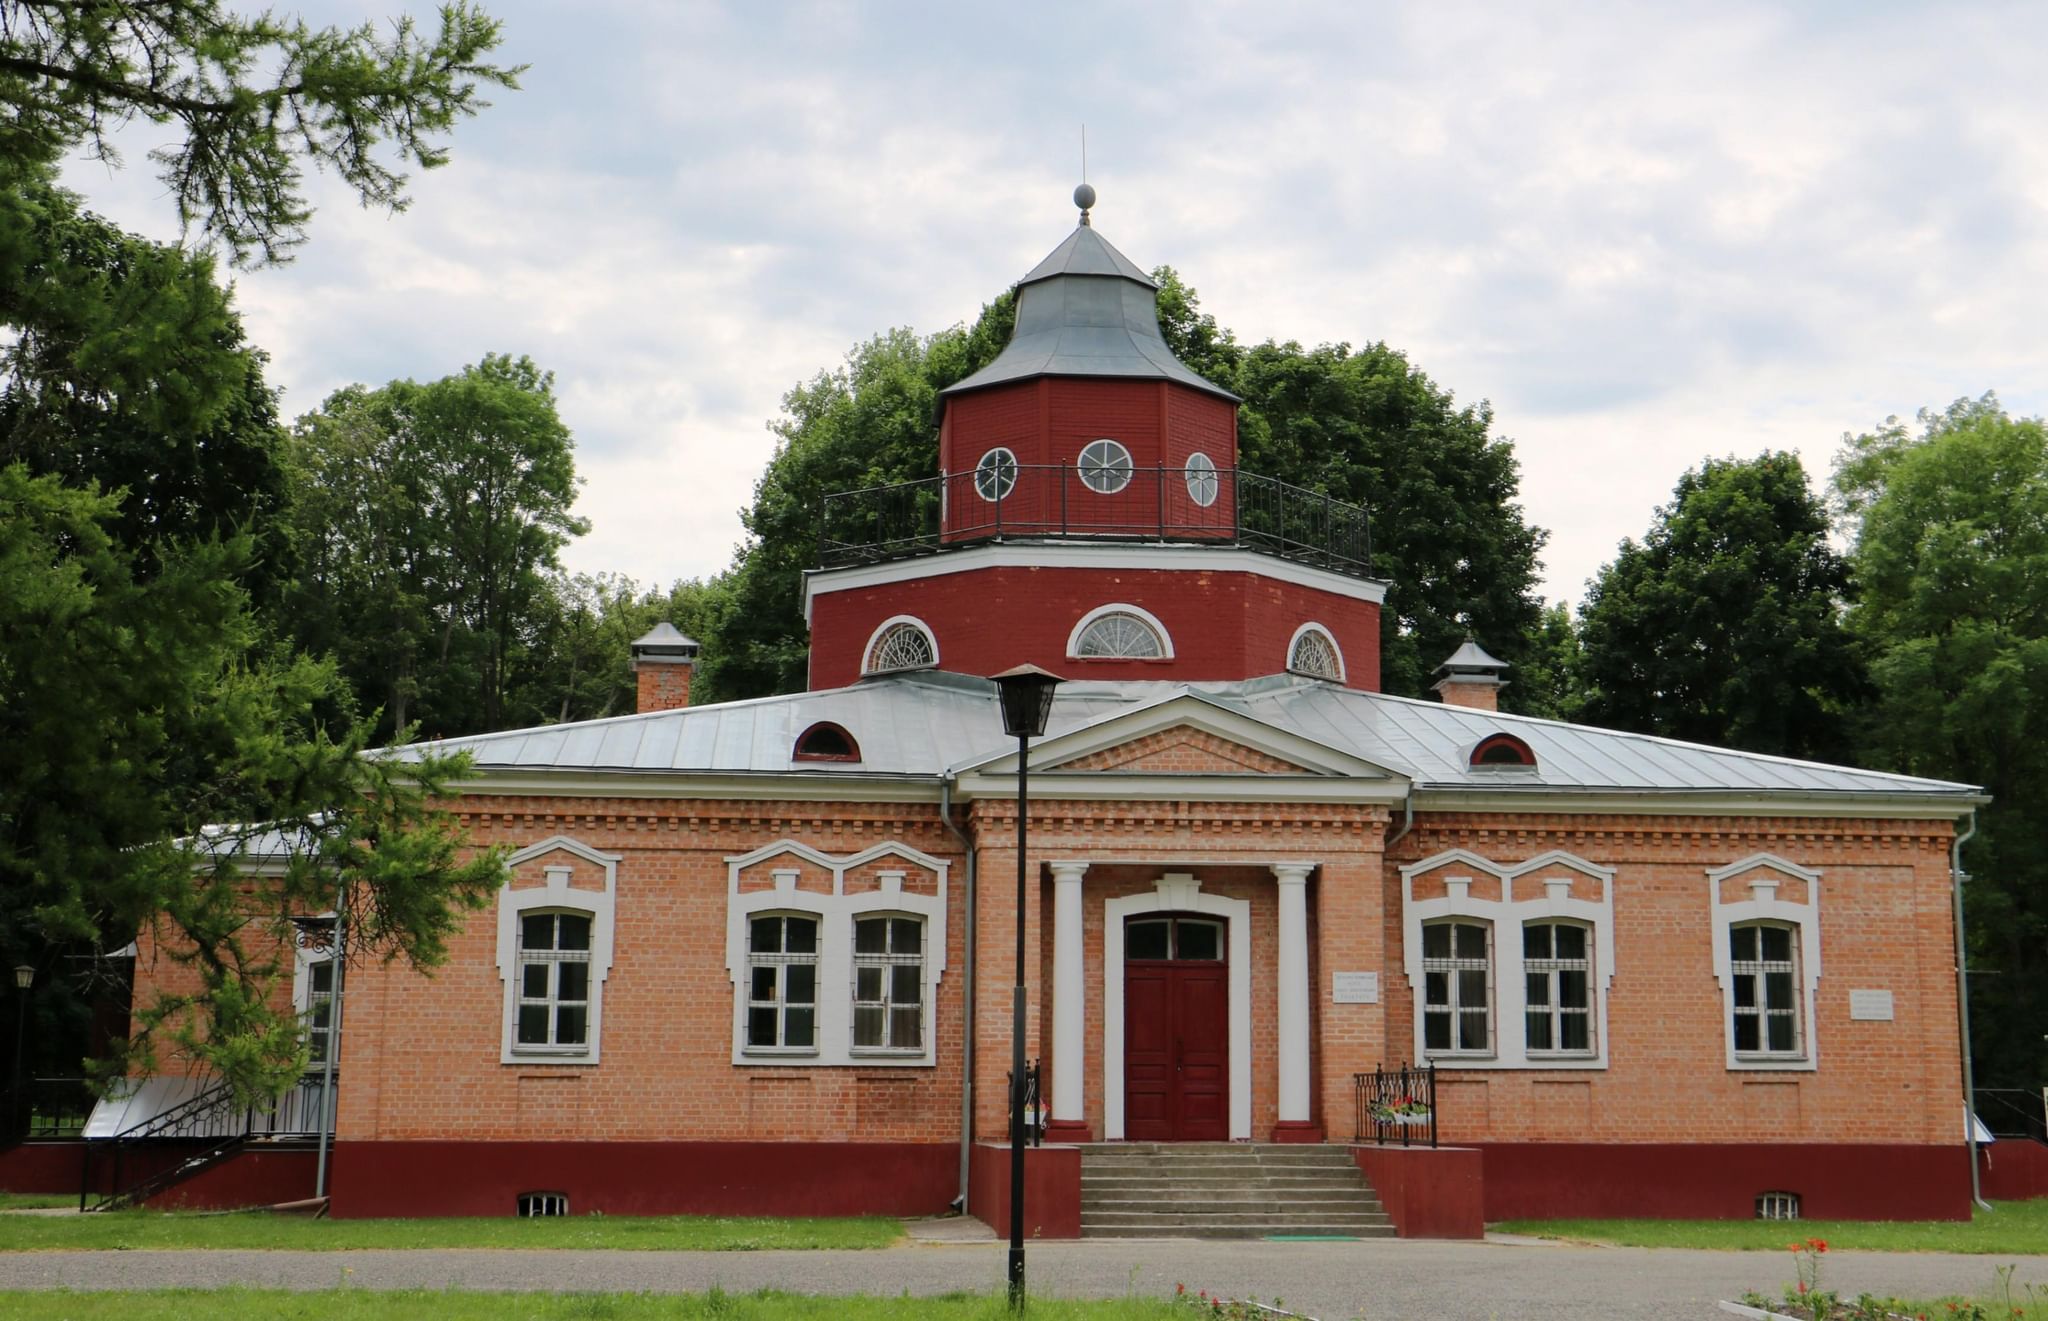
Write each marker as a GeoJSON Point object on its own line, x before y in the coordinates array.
{"type": "Point", "coordinates": [1225, 1190]}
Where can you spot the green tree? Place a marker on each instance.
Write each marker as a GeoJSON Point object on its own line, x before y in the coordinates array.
{"type": "Point", "coordinates": [1725, 624]}
{"type": "Point", "coordinates": [250, 100]}
{"type": "Point", "coordinates": [581, 658]}
{"type": "Point", "coordinates": [1951, 549]}
{"type": "Point", "coordinates": [1551, 675]}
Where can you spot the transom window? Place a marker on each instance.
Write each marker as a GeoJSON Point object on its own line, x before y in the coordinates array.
{"type": "Point", "coordinates": [319, 1010]}
{"type": "Point", "coordinates": [1201, 479]}
{"type": "Point", "coordinates": [1557, 968]}
{"type": "Point", "coordinates": [1120, 635]}
{"type": "Point", "coordinates": [1764, 962]}
{"type": "Point", "coordinates": [1457, 1001]}
{"type": "Point", "coordinates": [1105, 467]}
{"type": "Point", "coordinates": [905, 645]}
{"type": "Point", "coordinates": [554, 981]}
{"type": "Point", "coordinates": [888, 983]}
{"type": "Point", "coordinates": [1316, 656]}
{"type": "Point", "coordinates": [782, 982]}
{"type": "Point", "coordinates": [996, 475]}
{"type": "Point", "coordinates": [1178, 938]}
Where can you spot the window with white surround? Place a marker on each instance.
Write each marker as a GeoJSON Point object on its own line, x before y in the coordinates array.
{"type": "Point", "coordinates": [313, 986]}
{"type": "Point", "coordinates": [1766, 948]}
{"type": "Point", "coordinates": [1105, 467]}
{"type": "Point", "coordinates": [1313, 652]}
{"type": "Point", "coordinates": [555, 950]}
{"type": "Point", "coordinates": [1203, 484]}
{"type": "Point", "coordinates": [1457, 980]}
{"type": "Point", "coordinates": [901, 643]}
{"type": "Point", "coordinates": [888, 983]}
{"type": "Point", "coordinates": [1119, 632]}
{"type": "Point", "coordinates": [996, 475]}
{"type": "Point", "coordinates": [835, 958]}
{"type": "Point", "coordinates": [1509, 963]}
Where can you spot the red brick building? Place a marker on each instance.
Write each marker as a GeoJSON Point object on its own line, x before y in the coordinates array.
{"type": "Point", "coordinates": [756, 956]}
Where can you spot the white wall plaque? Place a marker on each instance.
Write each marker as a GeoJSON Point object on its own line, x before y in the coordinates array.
{"type": "Point", "coordinates": [1355, 988]}
{"type": "Point", "coordinates": [1870, 1006]}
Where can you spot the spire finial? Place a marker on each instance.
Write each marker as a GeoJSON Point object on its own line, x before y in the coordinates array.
{"type": "Point", "coordinates": [1084, 197]}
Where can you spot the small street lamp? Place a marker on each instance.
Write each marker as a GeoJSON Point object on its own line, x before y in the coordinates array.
{"type": "Point", "coordinates": [1026, 697]}
{"type": "Point", "coordinates": [24, 978]}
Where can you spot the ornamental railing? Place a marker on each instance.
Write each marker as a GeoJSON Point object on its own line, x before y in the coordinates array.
{"type": "Point", "coordinates": [1056, 501]}
{"type": "Point", "coordinates": [151, 1155]}
{"type": "Point", "coordinates": [48, 1108]}
{"type": "Point", "coordinates": [1031, 1104]}
{"type": "Point", "coordinates": [1395, 1107]}
{"type": "Point", "coordinates": [2014, 1112]}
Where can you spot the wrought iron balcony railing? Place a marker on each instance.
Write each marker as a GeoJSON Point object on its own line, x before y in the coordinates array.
{"type": "Point", "coordinates": [1226, 506]}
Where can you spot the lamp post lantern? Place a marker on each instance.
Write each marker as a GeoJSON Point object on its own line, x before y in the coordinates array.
{"type": "Point", "coordinates": [24, 978]}
{"type": "Point", "coordinates": [1026, 697]}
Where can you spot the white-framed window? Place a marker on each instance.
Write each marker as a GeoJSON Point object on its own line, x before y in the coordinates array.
{"type": "Point", "coordinates": [1524, 949]}
{"type": "Point", "coordinates": [842, 968]}
{"type": "Point", "coordinates": [900, 643]}
{"type": "Point", "coordinates": [1457, 980]}
{"type": "Point", "coordinates": [1119, 632]}
{"type": "Point", "coordinates": [1200, 474]}
{"type": "Point", "coordinates": [1314, 652]}
{"type": "Point", "coordinates": [782, 982]}
{"type": "Point", "coordinates": [996, 475]}
{"type": "Point", "coordinates": [1105, 467]}
{"type": "Point", "coordinates": [554, 981]}
{"type": "Point", "coordinates": [1763, 963]}
{"type": "Point", "coordinates": [1557, 974]}
{"type": "Point", "coordinates": [555, 951]}
{"type": "Point", "coordinates": [313, 987]}
{"type": "Point", "coordinates": [888, 983]}
{"type": "Point", "coordinates": [1765, 912]}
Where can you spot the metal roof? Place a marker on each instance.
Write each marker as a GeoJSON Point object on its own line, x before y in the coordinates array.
{"type": "Point", "coordinates": [1087, 310]}
{"type": "Point", "coordinates": [927, 724]}
{"type": "Point", "coordinates": [1471, 656]}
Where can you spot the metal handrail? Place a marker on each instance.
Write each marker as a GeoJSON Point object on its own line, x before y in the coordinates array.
{"type": "Point", "coordinates": [210, 1116]}
{"type": "Point", "coordinates": [2014, 1112]}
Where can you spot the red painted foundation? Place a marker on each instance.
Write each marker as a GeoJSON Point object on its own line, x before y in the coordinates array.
{"type": "Point", "coordinates": [1052, 1190]}
{"type": "Point", "coordinates": [648, 1178]}
{"type": "Point", "coordinates": [41, 1167]}
{"type": "Point", "coordinates": [1429, 1192]}
{"type": "Point", "coordinates": [247, 1178]}
{"type": "Point", "coordinates": [1297, 1130]}
{"type": "Point", "coordinates": [1068, 1131]}
{"type": "Point", "coordinates": [2013, 1169]}
{"type": "Point", "coordinates": [1720, 1181]}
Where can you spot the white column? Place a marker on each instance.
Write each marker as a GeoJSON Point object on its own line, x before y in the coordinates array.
{"type": "Point", "coordinates": [1069, 994]}
{"type": "Point", "coordinates": [1293, 990]}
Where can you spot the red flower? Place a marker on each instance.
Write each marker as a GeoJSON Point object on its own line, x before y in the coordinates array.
{"type": "Point", "coordinates": [1817, 1244]}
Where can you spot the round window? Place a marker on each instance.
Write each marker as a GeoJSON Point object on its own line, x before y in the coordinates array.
{"type": "Point", "coordinates": [996, 475]}
{"type": "Point", "coordinates": [1105, 467]}
{"type": "Point", "coordinates": [1202, 481]}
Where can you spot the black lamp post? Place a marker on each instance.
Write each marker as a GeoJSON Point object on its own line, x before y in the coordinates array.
{"type": "Point", "coordinates": [24, 977]}
{"type": "Point", "coordinates": [1026, 696]}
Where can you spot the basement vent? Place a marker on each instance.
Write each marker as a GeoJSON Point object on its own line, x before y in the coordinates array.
{"type": "Point", "coordinates": [1777, 1206]}
{"type": "Point", "coordinates": [543, 1204]}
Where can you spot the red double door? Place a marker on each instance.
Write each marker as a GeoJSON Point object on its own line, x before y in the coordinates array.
{"type": "Point", "coordinates": [1176, 1031]}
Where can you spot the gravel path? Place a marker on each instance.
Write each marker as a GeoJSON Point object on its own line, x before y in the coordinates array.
{"type": "Point", "coordinates": [1384, 1281]}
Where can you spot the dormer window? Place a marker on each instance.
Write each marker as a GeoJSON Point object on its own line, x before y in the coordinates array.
{"type": "Point", "coordinates": [1105, 467]}
{"type": "Point", "coordinates": [1502, 750]}
{"type": "Point", "coordinates": [902, 643]}
{"type": "Point", "coordinates": [825, 741]}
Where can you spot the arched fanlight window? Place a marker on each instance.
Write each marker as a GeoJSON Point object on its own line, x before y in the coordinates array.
{"type": "Point", "coordinates": [902, 643]}
{"type": "Point", "coordinates": [825, 741]}
{"type": "Point", "coordinates": [1314, 653]}
{"type": "Point", "coordinates": [1201, 479]}
{"type": "Point", "coordinates": [1105, 467]}
{"type": "Point", "coordinates": [996, 475]}
{"type": "Point", "coordinates": [1502, 750]}
{"type": "Point", "coordinates": [1119, 632]}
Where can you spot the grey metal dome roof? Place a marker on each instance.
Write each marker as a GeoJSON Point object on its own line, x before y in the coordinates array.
{"type": "Point", "coordinates": [1087, 310]}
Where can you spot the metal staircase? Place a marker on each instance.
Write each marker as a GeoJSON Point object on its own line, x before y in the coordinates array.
{"type": "Point", "coordinates": [188, 1138]}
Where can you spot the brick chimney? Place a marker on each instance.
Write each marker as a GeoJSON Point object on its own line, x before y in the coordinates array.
{"type": "Point", "coordinates": [1471, 678]}
{"type": "Point", "coordinates": [663, 661]}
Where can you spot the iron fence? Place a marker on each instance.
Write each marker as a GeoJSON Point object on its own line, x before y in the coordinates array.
{"type": "Point", "coordinates": [1395, 1106]}
{"type": "Point", "coordinates": [48, 1108]}
{"type": "Point", "coordinates": [1033, 1107]}
{"type": "Point", "coordinates": [2014, 1112]}
{"type": "Point", "coordinates": [196, 1132]}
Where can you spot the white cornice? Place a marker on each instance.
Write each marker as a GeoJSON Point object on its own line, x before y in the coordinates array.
{"type": "Point", "coordinates": [1090, 555]}
{"type": "Point", "coordinates": [1699, 802]}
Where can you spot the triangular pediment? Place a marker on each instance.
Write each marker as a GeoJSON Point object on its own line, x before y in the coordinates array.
{"type": "Point", "coordinates": [1184, 750]}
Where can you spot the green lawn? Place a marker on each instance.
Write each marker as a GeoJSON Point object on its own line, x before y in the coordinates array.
{"type": "Point", "coordinates": [2011, 1229]}
{"type": "Point", "coordinates": [17, 1201]}
{"type": "Point", "coordinates": [359, 1305]}
{"type": "Point", "coordinates": [257, 1229]}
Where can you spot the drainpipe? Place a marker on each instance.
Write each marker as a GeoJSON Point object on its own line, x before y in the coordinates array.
{"type": "Point", "coordinates": [1407, 821]}
{"type": "Point", "coordinates": [328, 1109]}
{"type": "Point", "coordinates": [967, 1012]}
{"type": "Point", "coordinates": [1957, 877]}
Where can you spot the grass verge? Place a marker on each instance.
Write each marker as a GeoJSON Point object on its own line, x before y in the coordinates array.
{"type": "Point", "coordinates": [33, 1201]}
{"type": "Point", "coordinates": [421, 1305]}
{"type": "Point", "coordinates": [2009, 1229]}
{"type": "Point", "coordinates": [258, 1229]}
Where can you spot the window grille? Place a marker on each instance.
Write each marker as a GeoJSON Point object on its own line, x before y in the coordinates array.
{"type": "Point", "coordinates": [996, 475]}
{"type": "Point", "coordinates": [1201, 479]}
{"type": "Point", "coordinates": [319, 1009]}
{"type": "Point", "coordinates": [1777, 1206]}
{"type": "Point", "coordinates": [904, 646]}
{"type": "Point", "coordinates": [782, 983]}
{"type": "Point", "coordinates": [1120, 636]}
{"type": "Point", "coordinates": [1105, 467]}
{"type": "Point", "coordinates": [1557, 967]}
{"type": "Point", "coordinates": [554, 981]}
{"type": "Point", "coordinates": [1316, 656]}
{"type": "Point", "coordinates": [1457, 978]}
{"type": "Point", "coordinates": [888, 983]}
{"type": "Point", "coordinates": [543, 1204]}
{"type": "Point", "coordinates": [1765, 970]}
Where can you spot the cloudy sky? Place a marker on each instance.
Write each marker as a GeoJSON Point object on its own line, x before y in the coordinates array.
{"type": "Point", "coordinates": [1646, 233]}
